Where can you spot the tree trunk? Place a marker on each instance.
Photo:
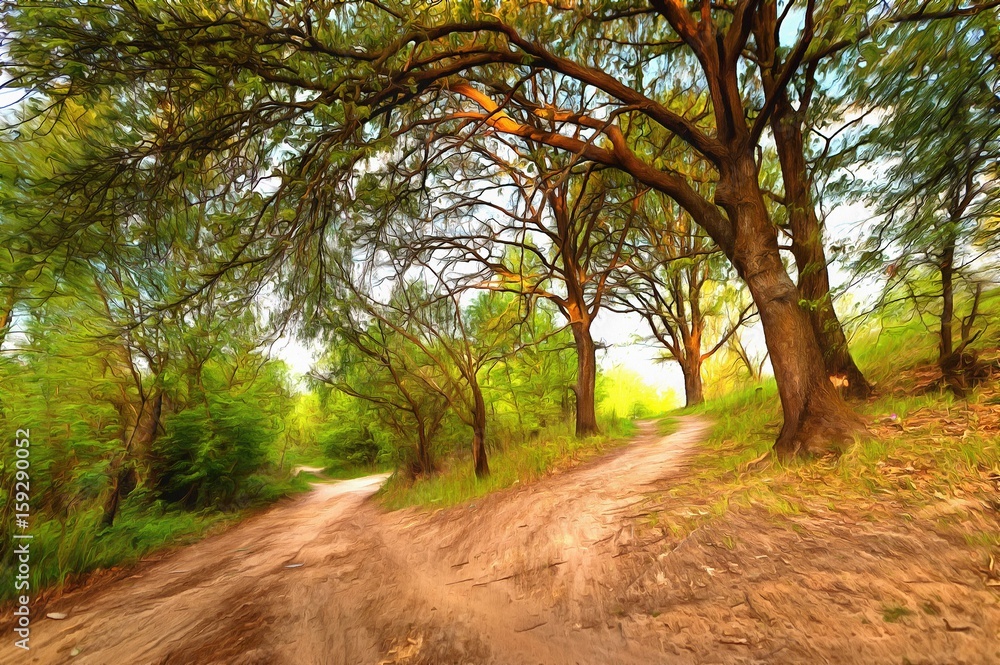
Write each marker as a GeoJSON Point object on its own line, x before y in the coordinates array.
{"type": "Point", "coordinates": [691, 362]}
{"type": "Point", "coordinates": [586, 380]}
{"type": "Point", "coordinates": [693, 392]}
{"type": "Point", "coordinates": [807, 248]}
{"type": "Point", "coordinates": [423, 448]}
{"type": "Point", "coordinates": [479, 460]}
{"type": "Point", "coordinates": [124, 481]}
{"type": "Point", "coordinates": [136, 445]}
{"type": "Point", "coordinates": [148, 426]}
{"type": "Point", "coordinates": [815, 417]}
{"type": "Point", "coordinates": [947, 267]}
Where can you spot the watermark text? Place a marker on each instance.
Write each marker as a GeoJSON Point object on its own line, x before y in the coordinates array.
{"type": "Point", "coordinates": [21, 494]}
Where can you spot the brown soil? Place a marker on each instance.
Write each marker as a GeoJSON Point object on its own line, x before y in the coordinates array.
{"type": "Point", "coordinates": [565, 570]}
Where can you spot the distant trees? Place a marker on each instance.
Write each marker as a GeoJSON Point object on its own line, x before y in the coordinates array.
{"type": "Point", "coordinates": [676, 279]}
{"type": "Point", "coordinates": [420, 338]}
{"type": "Point", "coordinates": [432, 347]}
{"type": "Point", "coordinates": [559, 238]}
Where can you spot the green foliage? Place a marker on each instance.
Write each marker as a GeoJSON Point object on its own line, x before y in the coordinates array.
{"type": "Point", "coordinates": [138, 388]}
{"type": "Point", "coordinates": [210, 451]}
{"type": "Point", "coordinates": [622, 394]}
{"type": "Point", "coordinates": [355, 443]}
{"type": "Point", "coordinates": [936, 207]}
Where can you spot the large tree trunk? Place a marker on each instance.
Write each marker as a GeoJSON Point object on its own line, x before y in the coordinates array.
{"type": "Point", "coordinates": [807, 248]}
{"type": "Point", "coordinates": [815, 417]}
{"type": "Point", "coordinates": [586, 379]}
{"type": "Point", "coordinates": [479, 460]}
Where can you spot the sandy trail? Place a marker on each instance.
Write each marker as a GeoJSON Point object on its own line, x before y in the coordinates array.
{"type": "Point", "coordinates": [517, 577]}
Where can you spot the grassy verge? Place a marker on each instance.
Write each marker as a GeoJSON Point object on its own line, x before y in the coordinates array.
{"type": "Point", "coordinates": [515, 463]}
{"type": "Point", "coordinates": [338, 470]}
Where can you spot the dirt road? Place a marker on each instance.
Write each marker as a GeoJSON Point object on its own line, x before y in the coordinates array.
{"type": "Point", "coordinates": [331, 579]}
{"type": "Point", "coordinates": [572, 569]}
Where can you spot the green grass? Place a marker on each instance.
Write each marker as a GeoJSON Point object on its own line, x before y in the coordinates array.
{"type": "Point", "coordinates": [340, 470]}
{"type": "Point", "coordinates": [888, 347]}
{"type": "Point", "coordinates": [917, 465]}
{"type": "Point", "coordinates": [514, 463]}
{"type": "Point", "coordinates": [895, 613]}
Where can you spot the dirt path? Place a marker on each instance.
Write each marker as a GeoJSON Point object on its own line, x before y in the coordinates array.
{"type": "Point", "coordinates": [331, 579]}
{"type": "Point", "coordinates": [582, 567]}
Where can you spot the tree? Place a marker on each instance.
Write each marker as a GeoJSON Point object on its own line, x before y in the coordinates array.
{"type": "Point", "coordinates": [789, 124]}
{"type": "Point", "coordinates": [325, 88]}
{"type": "Point", "coordinates": [940, 198]}
{"type": "Point", "coordinates": [369, 361]}
{"type": "Point", "coordinates": [802, 108]}
{"type": "Point", "coordinates": [559, 239]}
{"type": "Point", "coordinates": [676, 281]}
{"type": "Point", "coordinates": [409, 302]}
{"type": "Point", "coordinates": [535, 376]}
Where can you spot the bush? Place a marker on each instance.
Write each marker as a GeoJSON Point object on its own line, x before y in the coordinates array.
{"type": "Point", "coordinates": [210, 451]}
{"type": "Point", "coordinates": [354, 443]}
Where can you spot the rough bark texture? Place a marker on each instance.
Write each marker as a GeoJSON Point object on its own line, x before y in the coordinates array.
{"type": "Point", "coordinates": [586, 380]}
{"type": "Point", "coordinates": [807, 248]}
{"type": "Point", "coordinates": [815, 417]}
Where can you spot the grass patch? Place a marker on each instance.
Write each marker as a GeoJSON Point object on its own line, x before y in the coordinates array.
{"type": "Point", "coordinates": [515, 463]}
{"type": "Point", "coordinates": [339, 470]}
{"type": "Point", "coordinates": [895, 613]}
{"type": "Point", "coordinates": [923, 449]}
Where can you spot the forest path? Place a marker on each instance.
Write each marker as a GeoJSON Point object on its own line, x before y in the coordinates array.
{"type": "Point", "coordinates": [520, 576]}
